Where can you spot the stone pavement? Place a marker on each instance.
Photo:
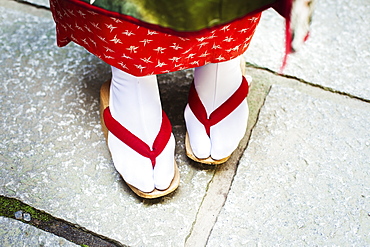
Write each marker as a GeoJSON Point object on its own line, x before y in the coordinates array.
{"type": "Point", "coordinates": [300, 176]}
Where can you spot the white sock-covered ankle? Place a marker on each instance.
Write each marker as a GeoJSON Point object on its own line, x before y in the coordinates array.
{"type": "Point", "coordinates": [215, 83]}
{"type": "Point", "coordinates": [135, 103]}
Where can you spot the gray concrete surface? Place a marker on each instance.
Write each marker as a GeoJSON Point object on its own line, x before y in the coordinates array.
{"type": "Point", "coordinates": [44, 3]}
{"type": "Point", "coordinates": [336, 55]}
{"type": "Point", "coordinates": [15, 233]}
{"type": "Point", "coordinates": [305, 170]}
{"type": "Point", "coordinates": [304, 179]}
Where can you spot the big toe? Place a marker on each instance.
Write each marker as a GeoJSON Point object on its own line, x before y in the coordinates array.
{"type": "Point", "coordinates": [164, 168]}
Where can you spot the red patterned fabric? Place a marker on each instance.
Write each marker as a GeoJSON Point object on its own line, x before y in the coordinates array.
{"type": "Point", "coordinates": [141, 51]}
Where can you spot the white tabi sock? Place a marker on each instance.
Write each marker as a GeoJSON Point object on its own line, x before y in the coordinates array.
{"type": "Point", "coordinates": [135, 103]}
{"type": "Point", "coordinates": [215, 83]}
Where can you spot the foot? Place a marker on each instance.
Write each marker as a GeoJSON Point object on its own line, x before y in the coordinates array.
{"type": "Point", "coordinates": [215, 84]}
{"type": "Point", "coordinates": [137, 170]}
{"type": "Point", "coordinates": [135, 104]}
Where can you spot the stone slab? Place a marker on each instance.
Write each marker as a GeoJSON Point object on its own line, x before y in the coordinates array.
{"type": "Point", "coordinates": [16, 233]}
{"type": "Point", "coordinates": [304, 178]}
{"type": "Point", "coordinates": [44, 3]}
{"type": "Point", "coordinates": [53, 154]}
{"type": "Point", "coordinates": [337, 54]}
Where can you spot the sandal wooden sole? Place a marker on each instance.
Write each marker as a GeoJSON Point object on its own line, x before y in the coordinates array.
{"type": "Point", "coordinates": [104, 103]}
{"type": "Point", "coordinates": [159, 193]}
{"type": "Point", "coordinates": [209, 160]}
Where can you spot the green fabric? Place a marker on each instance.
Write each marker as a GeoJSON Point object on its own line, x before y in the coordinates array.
{"type": "Point", "coordinates": [183, 15]}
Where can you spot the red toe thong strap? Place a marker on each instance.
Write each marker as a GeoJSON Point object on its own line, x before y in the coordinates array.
{"type": "Point", "coordinates": [134, 142]}
{"type": "Point", "coordinates": [222, 111]}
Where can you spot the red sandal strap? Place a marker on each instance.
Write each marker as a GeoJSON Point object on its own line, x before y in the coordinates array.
{"type": "Point", "coordinates": [134, 142]}
{"type": "Point", "coordinates": [222, 111]}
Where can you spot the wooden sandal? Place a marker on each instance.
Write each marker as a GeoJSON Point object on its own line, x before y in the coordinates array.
{"type": "Point", "coordinates": [216, 116]}
{"type": "Point", "coordinates": [110, 124]}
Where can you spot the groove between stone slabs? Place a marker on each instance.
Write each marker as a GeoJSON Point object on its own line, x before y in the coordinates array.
{"type": "Point", "coordinates": [15, 209]}
{"type": "Point", "coordinates": [33, 4]}
{"type": "Point", "coordinates": [220, 185]}
{"type": "Point", "coordinates": [329, 89]}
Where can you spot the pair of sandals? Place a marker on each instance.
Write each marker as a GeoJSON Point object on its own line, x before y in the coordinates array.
{"type": "Point", "coordinates": [197, 107]}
